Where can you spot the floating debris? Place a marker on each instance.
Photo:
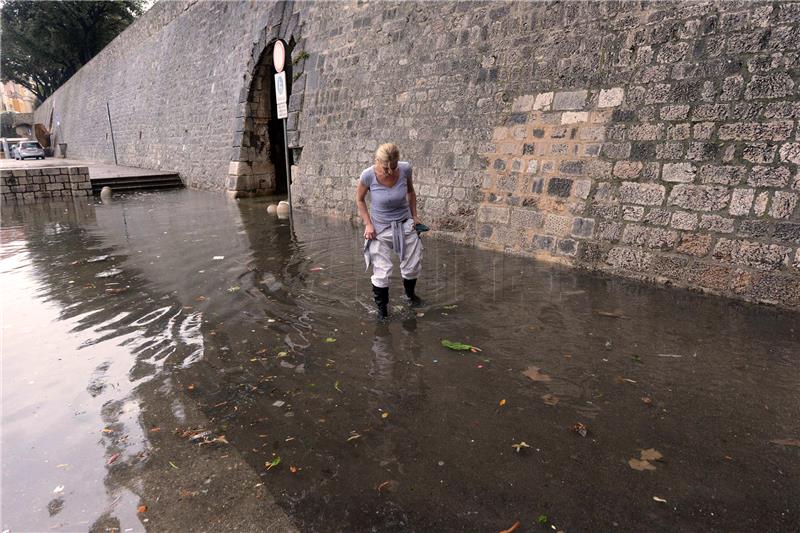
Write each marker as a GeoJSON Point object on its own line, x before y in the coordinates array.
{"type": "Point", "coordinates": [659, 500]}
{"type": "Point", "coordinates": [580, 429]}
{"type": "Point", "coordinates": [644, 462]}
{"type": "Point", "coordinates": [218, 258]}
{"type": "Point", "coordinates": [271, 464]}
{"type": "Point", "coordinates": [98, 258]}
{"type": "Point", "coordinates": [550, 399]}
{"type": "Point", "coordinates": [109, 273]}
{"type": "Point", "coordinates": [535, 373]}
{"type": "Point", "coordinates": [519, 446]}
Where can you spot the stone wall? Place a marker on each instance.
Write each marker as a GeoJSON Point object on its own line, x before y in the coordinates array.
{"type": "Point", "coordinates": [32, 184]}
{"type": "Point", "coordinates": [655, 140]}
{"type": "Point", "coordinates": [652, 140]}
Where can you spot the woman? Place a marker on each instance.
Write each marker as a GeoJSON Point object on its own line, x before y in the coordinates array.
{"type": "Point", "coordinates": [390, 225]}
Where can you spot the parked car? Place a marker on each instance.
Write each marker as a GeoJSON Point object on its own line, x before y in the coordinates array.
{"type": "Point", "coordinates": [28, 149]}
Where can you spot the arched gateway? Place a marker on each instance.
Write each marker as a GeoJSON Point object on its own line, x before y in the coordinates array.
{"type": "Point", "coordinates": [257, 165]}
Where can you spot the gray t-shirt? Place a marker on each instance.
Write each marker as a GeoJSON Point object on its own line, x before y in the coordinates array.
{"type": "Point", "coordinates": [387, 204]}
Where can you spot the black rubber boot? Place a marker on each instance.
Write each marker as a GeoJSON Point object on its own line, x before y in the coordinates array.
{"type": "Point", "coordinates": [409, 285]}
{"type": "Point", "coordinates": [381, 300]}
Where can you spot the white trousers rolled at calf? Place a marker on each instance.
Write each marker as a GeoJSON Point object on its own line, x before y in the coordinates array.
{"type": "Point", "coordinates": [380, 254]}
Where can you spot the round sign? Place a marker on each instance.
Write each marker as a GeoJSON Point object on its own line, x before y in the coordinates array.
{"type": "Point", "coordinates": [278, 56]}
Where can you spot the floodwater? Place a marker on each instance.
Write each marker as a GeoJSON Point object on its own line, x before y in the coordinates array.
{"type": "Point", "coordinates": [161, 351]}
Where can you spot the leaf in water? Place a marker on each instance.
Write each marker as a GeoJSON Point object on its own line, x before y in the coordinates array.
{"type": "Point", "coordinates": [659, 500]}
{"type": "Point", "coordinates": [786, 442]}
{"type": "Point", "coordinates": [173, 465]}
{"type": "Point", "coordinates": [293, 469]}
{"type": "Point", "coordinates": [520, 446]}
{"type": "Point", "coordinates": [113, 458]}
{"type": "Point", "coordinates": [580, 429]}
{"type": "Point", "coordinates": [651, 454]}
{"type": "Point", "coordinates": [512, 529]}
{"type": "Point", "coordinates": [235, 288]}
{"type": "Point", "coordinates": [456, 345]}
{"type": "Point", "coordinates": [502, 402]}
{"type": "Point", "coordinates": [336, 386]}
{"type": "Point", "coordinates": [385, 414]}
{"type": "Point", "coordinates": [636, 464]}
{"type": "Point", "coordinates": [542, 519]}
{"type": "Point", "coordinates": [611, 314]}
{"type": "Point", "coordinates": [647, 400]}
{"type": "Point", "coordinates": [330, 339]}
{"type": "Point", "coordinates": [142, 509]}
{"type": "Point", "coordinates": [535, 374]}
{"type": "Point", "coordinates": [218, 258]}
{"type": "Point", "coordinates": [448, 307]}
{"type": "Point", "coordinates": [646, 456]}
{"type": "Point", "coordinates": [354, 436]}
{"type": "Point", "coordinates": [550, 399]}
{"type": "Point", "coordinates": [275, 462]}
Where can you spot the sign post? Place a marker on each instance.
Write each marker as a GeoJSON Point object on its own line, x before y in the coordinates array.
{"type": "Point", "coordinates": [281, 98]}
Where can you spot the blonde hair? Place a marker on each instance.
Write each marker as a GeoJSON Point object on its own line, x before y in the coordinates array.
{"type": "Point", "coordinates": [388, 153]}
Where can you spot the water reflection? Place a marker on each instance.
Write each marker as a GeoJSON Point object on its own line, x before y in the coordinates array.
{"type": "Point", "coordinates": [225, 322]}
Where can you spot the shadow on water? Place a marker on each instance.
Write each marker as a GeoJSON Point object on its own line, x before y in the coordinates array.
{"type": "Point", "coordinates": [229, 339]}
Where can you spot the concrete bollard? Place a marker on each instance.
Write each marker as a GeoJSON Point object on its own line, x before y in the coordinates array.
{"type": "Point", "coordinates": [283, 208]}
{"type": "Point", "coordinates": [272, 209]}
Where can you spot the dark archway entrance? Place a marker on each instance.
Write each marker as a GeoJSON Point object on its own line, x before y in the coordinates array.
{"type": "Point", "coordinates": [258, 165]}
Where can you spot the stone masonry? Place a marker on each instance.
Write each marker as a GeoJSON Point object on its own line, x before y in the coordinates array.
{"type": "Point", "coordinates": [32, 184]}
{"type": "Point", "coordinates": [653, 140]}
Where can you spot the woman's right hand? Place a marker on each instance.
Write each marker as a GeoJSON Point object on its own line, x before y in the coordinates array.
{"type": "Point", "coordinates": [369, 232]}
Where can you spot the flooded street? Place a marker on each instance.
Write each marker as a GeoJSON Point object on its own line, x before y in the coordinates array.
{"type": "Point", "coordinates": [177, 361]}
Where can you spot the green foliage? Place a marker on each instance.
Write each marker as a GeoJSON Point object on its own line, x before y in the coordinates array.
{"type": "Point", "coordinates": [302, 55]}
{"type": "Point", "coordinates": [45, 43]}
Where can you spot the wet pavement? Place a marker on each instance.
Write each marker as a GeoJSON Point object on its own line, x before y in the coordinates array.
{"type": "Point", "coordinates": [161, 351]}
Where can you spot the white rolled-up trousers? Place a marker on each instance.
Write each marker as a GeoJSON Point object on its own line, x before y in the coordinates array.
{"type": "Point", "coordinates": [380, 251]}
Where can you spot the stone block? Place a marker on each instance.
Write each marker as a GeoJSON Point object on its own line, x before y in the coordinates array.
{"type": "Point", "coordinates": [629, 259]}
{"type": "Point", "coordinates": [757, 229]}
{"type": "Point", "coordinates": [790, 153]}
{"type": "Point", "coordinates": [523, 104]}
{"type": "Point", "coordinates": [674, 112]}
{"type": "Point", "coordinates": [644, 236]}
{"type": "Point", "coordinates": [776, 288]}
{"type": "Point", "coordinates": [567, 247]}
{"type": "Point", "coordinates": [570, 100]}
{"type": "Point", "coordinates": [557, 224]}
{"type": "Point", "coordinates": [642, 193]}
{"type": "Point", "coordinates": [658, 216]}
{"type": "Point", "coordinates": [646, 132]}
{"type": "Point", "coordinates": [543, 242]}
{"type": "Point", "coordinates": [616, 150]}
{"type": "Point", "coordinates": [753, 254]}
{"type": "Point", "coordinates": [770, 86]}
{"type": "Point", "coordinates": [582, 227]}
{"type": "Point", "coordinates": [741, 201]}
{"type": "Point", "coordinates": [787, 232]}
{"type": "Point", "coordinates": [684, 221]}
{"type": "Point", "coordinates": [611, 97]}
{"type": "Point", "coordinates": [696, 244]}
{"type": "Point", "coordinates": [700, 197]}
{"type": "Point", "coordinates": [572, 167]}
{"type": "Point", "coordinates": [710, 276]}
{"type": "Point", "coordinates": [678, 172]}
{"type": "Point", "coordinates": [543, 102]}
{"type": "Point", "coordinates": [783, 204]}
{"type": "Point", "coordinates": [51, 171]}
{"type": "Point", "coordinates": [760, 205]}
{"type": "Point", "coordinates": [526, 218]}
{"type": "Point", "coordinates": [582, 188]}
{"type": "Point", "coordinates": [761, 176]}
{"type": "Point", "coordinates": [671, 150]}
{"type": "Point", "coordinates": [592, 133]}
{"type": "Point", "coordinates": [493, 214]}
{"type": "Point", "coordinates": [560, 187]}
{"type": "Point", "coordinates": [756, 131]}
{"type": "Point", "coordinates": [722, 174]}
{"type": "Point", "coordinates": [632, 213]}
{"type": "Point", "coordinates": [716, 224]}
{"type": "Point", "coordinates": [574, 117]}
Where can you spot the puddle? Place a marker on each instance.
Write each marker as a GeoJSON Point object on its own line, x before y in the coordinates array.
{"type": "Point", "coordinates": [225, 322]}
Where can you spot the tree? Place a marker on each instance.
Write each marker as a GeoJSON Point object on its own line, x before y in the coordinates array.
{"type": "Point", "coordinates": [45, 43]}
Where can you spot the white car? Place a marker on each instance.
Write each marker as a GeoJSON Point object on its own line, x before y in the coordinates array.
{"type": "Point", "coordinates": [28, 149]}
